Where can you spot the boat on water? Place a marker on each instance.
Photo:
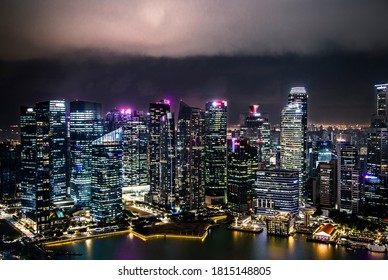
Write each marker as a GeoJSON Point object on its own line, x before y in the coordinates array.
{"type": "Point", "coordinates": [376, 247]}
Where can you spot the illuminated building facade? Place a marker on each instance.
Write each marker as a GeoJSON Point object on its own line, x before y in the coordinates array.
{"type": "Point", "coordinates": [156, 110]}
{"type": "Point", "coordinates": [319, 152]}
{"type": "Point", "coordinates": [377, 161]}
{"type": "Point", "coordinates": [276, 190]}
{"type": "Point", "coordinates": [292, 156]}
{"type": "Point", "coordinates": [28, 158]}
{"type": "Point", "coordinates": [51, 151]}
{"type": "Point", "coordinates": [242, 167]}
{"type": "Point", "coordinates": [190, 154]}
{"type": "Point", "coordinates": [168, 195]}
{"type": "Point", "coordinates": [280, 225]}
{"type": "Point", "coordinates": [375, 196]}
{"type": "Point", "coordinates": [375, 182]}
{"type": "Point", "coordinates": [86, 125]}
{"type": "Point", "coordinates": [255, 126]}
{"type": "Point", "coordinates": [381, 99]}
{"type": "Point", "coordinates": [325, 151]}
{"type": "Point", "coordinates": [327, 176]}
{"type": "Point", "coordinates": [349, 179]}
{"type": "Point", "coordinates": [215, 152]}
{"type": "Point", "coordinates": [107, 177]}
{"type": "Point", "coordinates": [298, 96]}
{"type": "Point", "coordinates": [135, 144]}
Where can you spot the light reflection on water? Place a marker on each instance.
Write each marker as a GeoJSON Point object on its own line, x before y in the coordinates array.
{"type": "Point", "coordinates": [221, 243]}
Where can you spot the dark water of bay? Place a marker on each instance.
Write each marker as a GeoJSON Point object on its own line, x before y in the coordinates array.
{"type": "Point", "coordinates": [220, 244]}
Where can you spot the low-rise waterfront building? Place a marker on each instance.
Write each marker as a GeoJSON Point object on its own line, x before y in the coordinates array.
{"type": "Point", "coordinates": [281, 225]}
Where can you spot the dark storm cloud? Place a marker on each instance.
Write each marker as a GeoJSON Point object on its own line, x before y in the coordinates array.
{"type": "Point", "coordinates": [46, 28]}
{"type": "Point", "coordinates": [340, 85]}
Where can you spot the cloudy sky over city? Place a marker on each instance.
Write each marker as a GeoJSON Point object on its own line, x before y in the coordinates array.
{"type": "Point", "coordinates": [135, 52]}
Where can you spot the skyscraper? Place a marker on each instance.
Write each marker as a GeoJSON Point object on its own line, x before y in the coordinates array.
{"type": "Point", "coordinates": [292, 143]}
{"type": "Point", "coordinates": [375, 182]}
{"type": "Point", "coordinates": [276, 190]}
{"type": "Point", "coordinates": [375, 196]}
{"type": "Point", "coordinates": [51, 150]}
{"type": "Point", "coordinates": [349, 179]}
{"type": "Point", "coordinates": [298, 95]}
{"type": "Point", "coordinates": [377, 161]}
{"type": "Point", "coordinates": [381, 100]}
{"type": "Point", "coordinates": [255, 126]}
{"type": "Point", "coordinates": [215, 152]}
{"type": "Point", "coordinates": [86, 125]}
{"type": "Point", "coordinates": [168, 193]}
{"type": "Point", "coordinates": [107, 177]}
{"type": "Point", "coordinates": [28, 159]}
{"type": "Point", "coordinates": [327, 174]}
{"type": "Point", "coordinates": [190, 153]}
{"type": "Point", "coordinates": [113, 119]}
{"type": "Point", "coordinates": [157, 111]}
{"type": "Point", "coordinates": [135, 147]}
{"type": "Point", "coordinates": [242, 167]}
{"type": "Point", "coordinates": [135, 144]}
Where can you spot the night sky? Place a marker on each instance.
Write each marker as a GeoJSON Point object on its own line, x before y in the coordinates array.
{"type": "Point", "coordinates": [130, 53]}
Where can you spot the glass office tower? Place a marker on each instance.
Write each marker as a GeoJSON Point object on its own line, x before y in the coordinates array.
{"type": "Point", "coordinates": [156, 111]}
{"type": "Point", "coordinates": [215, 152]}
{"type": "Point", "coordinates": [190, 154]}
{"type": "Point", "coordinates": [292, 143]}
{"type": "Point", "coordinates": [51, 151]}
{"type": "Point", "coordinates": [86, 125]}
{"type": "Point", "coordinates": [107, 177]}
{"type": "Point", "coordinates": [28, 158]}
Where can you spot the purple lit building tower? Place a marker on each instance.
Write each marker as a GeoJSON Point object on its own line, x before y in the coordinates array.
{"type": "Point", "coordinates": [135, 143]}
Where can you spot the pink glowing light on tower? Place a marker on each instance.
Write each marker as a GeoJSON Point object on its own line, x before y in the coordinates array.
{"type": "Point", "coordinates": [254, 109]}
{"type": "Point", "coordinates": [126, 111]}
